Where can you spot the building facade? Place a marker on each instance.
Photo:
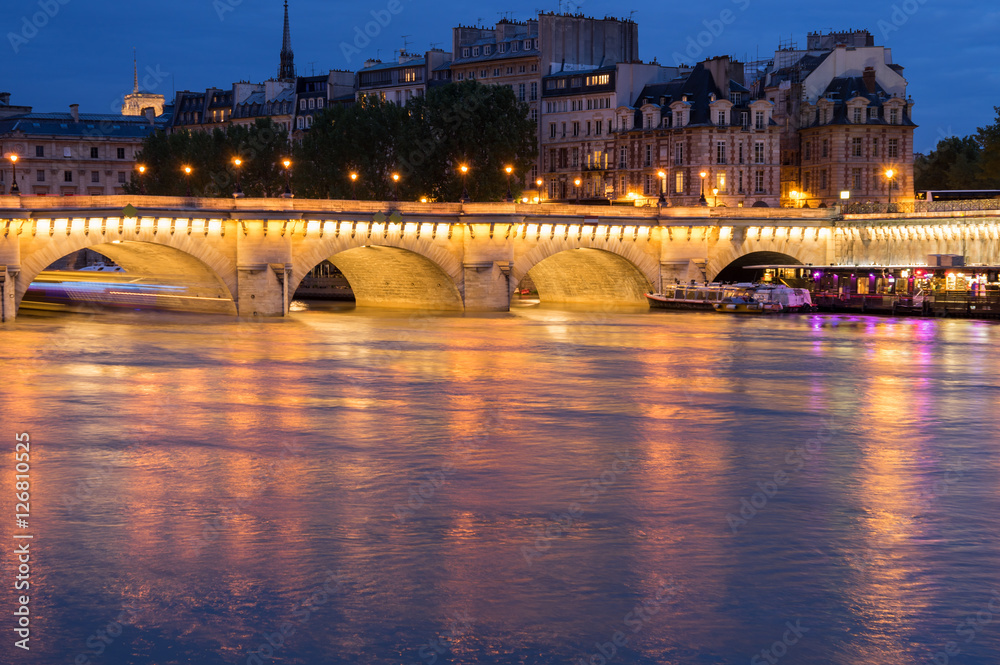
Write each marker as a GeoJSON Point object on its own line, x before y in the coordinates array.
{"type": "Point", "coordinates": [846, 121]}
{"type": "Point", "coordinates": [408, 77]}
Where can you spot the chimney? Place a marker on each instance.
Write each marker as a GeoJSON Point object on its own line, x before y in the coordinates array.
{"type": "Point", "coordinates": [74, 110]}
{"type": "Point", "coordinates": [869, 79]}
{"type": "Point", "coordinates": [5, 98]}
{"type": "Point", "coordinates": [150, 114]}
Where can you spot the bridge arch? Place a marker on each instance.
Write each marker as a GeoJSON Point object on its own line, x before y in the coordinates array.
{"type": "Point", "coordinates": [177, 259]}
{"type": "Point", "coordinates": [735, 270]}
{"type": "Point", "coordinates": [588, 274]}
{"type": "Point", "coordinates": [389, 272]}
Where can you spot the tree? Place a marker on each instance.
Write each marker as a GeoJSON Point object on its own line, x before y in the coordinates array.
{"type": "Point", "coordinates": [210, 155]}
{"type": "Point", "coordinates": [482, 126]}
{"type": "Point", "coordinates": [952, 165]}
{"type": "Point", "coordinates": [988, 139]}
{"type": "Point", "coordinates": [364, 138]}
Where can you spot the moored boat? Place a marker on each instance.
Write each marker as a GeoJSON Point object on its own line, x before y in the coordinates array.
{"type": "Point", "coordinates": [741, 305]}
{"type": "Point", "coordinates": [702, 297]}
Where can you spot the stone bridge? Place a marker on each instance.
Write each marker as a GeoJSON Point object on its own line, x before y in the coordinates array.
{"type": "Point", "coordinates": [248, 256]}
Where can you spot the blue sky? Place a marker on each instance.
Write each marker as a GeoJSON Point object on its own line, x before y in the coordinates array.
{"type": "Point", "coordinates": [82, 51]}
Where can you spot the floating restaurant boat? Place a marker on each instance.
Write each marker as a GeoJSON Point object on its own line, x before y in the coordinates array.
{"type": "Point", "coordinates": [773, 297]}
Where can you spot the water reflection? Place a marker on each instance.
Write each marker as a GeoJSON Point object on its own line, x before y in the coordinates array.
{"type": "Point", "coordinates": [507, 488]}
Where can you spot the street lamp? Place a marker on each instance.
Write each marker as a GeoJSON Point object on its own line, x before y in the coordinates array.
{"type": "Point", "coordinates": [142, 185]}
{"type": "Point", "coordinates": [288, 178]}
{"type": "Point", "coordinates": [662, 201]}
{"type": "Point", "coordinates": [354, 185]}
{"type": "Point", "coordinates": [510, 195]}
{"type": "Point", "coordinates": [14, 190]}
{"type": "Point", "coordinates": [238, 194]}
{"type": "Point", "coordinates": [702, 201]}
{"type": "Point", "coordinates": [888, 174]}
{"type": "Point", "coordinates": [187, 176]}
{"type": "Point", "coordinates": [465, 192]}
{"type": "Point", "coordinates": [715, 197]}
{"type": "Point", "coordinates": [794, 194]}
{"type": "Point", "coordinates": [577, 183]}
{"type": "Point", "coordinates": [395, 186]}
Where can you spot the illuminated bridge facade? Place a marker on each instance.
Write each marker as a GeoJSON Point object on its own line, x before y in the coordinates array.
{"type": "Point", "coordinates": [248, 256]}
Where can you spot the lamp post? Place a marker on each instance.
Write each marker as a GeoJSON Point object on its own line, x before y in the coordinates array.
{"type": "Point", "coordinates": [662, 201]}
{"type": "Point", "coordinates": [238, 194]}
{"type": "Point", "coordinates": [395, 186]}
{"type": "Point", "coordinates": [465, 192]}
{"type": "Point", "coordinates": [715, 197]}
{"type": "Point", "coordinates": [142, 184]}
{"type": "Point", "coordinates": [577, 183]}
{"type": "Point", "coordinates": [187, 177]}
{"type": "Point", "coordinates": [702, 201]}
{"type": "Point", "coordinates": [288, 178]}
{"type": "Point", "coordinates": [888, 174]}
{"type": "Point", "coordinates": [510, 195]}
{"type": "Point", "coordinates": [794, 194]}
{"type": "Point", "coordinates": [354, 186]}
{"type": "Point", "coordinates": [14, 189]}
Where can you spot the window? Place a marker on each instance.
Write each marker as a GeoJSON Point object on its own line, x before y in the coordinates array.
{"type": "Point", "coordinates": [588, 128]}
{"type": "Point", "coordinates": [678, 154]}
{"type": "Point", "coordinates": [874, 147]}
{"type": "Point", "coordinates": [534, 68]}
{"type": "Point", "coordinates": [856, 146]}
{"type": "Point", "coordinates": [623, 157]}
{"type": "Point", "coordinates": [121, 177]}
{"type": "Point", "coordinates": [94, 153]}
{"type": "Point", "coordinates": [598, 127]}
{"type": "Point", "coordinates": [533, 95]}
{"type": "Point", "coordinates": [576, 129]}
{"type": "Point", "coordinates": [502, 48]}
{"type": "Point", "coordinates": [893, 116]}
{"type": "Point", "coordinates": [527, 44]}
{"type": "Point", "coordinates": [520, 92]}
{"type": "Point", "coordinates": [40, 175]}
{"type": "Point", "coordinates": [759, 182]}
{"type": "Point", "coordinates": [312, 104]}
{"type": "Point", "coordinates": [301, 123]}
{"type": "Point", "coordinates": [520, 69]}
{"type": "Point", "coordinates": [39, 151]}
{"type": "Point", "coordinates": [857, 116]}
{"type": "Point", "coordinates": [758, 152]}
{"type": "Point", "coordinates": [534, 115]}
{"type": "Point", "coordinates": [722, 117]}
{"type": "Point", "coordinates": [678, 181]}
{"type": "Point", "coordinates": [67, 176]}
{"type": "Point", "coordinates": [563, 130]}
{"type": "Point", "coordinates": [461, 76]}
{"type": "Point", "coordinates": [309, 121]}
{"type": "Point", "coordinates": [483, 73]}
{"type": "Point", "coordinates": [302, 104]}
{"type": "Point", "coordinates": [823, 180]}
{"type": "Point", "coordinates": [600, 79]}
{"type": "Point", "coordinates": [487, 50]}
{"type": "Point", "coordinates": [744, 119]}
{"type": "Point", "coordinates": [720, 181]}
{"type": "Point", "coordinates": [720, 152]}
{"type": "Point", "coordinates": [872, 113]}
{"type": "Point", "coordinates": [95, 176]}
{"type": "Point", "coordinates": [121, 153]}
{"type": "Point", "coordinates": [807, 181]}
{"type": "Point", "coordinates": [893, 148]}
{"type": "Point", "coordinates": [496, 71]}
{"type": "Point", "coordinates": [826, 148]}
{"type": "Point", "coordinates": [552, 130]}
{"type": "Point", "coordinates": [737, 98]}
{"type": "Point", "coordinates": [649, 155]}
{"type": "Point", "coordinates": [576, 157]}
{"type": "Point", "coordinates": [465, 52]}
{"type": "Point", "coordinates": [856, 179]}
{"type": "Point", "coordinates": [808, 151]}
{"type": "Point", "coordinates": [475, 51]}
{"type": "Point", "coordinates": [513, 48]}
{"type": "Point", "coordinates": [759, 120]}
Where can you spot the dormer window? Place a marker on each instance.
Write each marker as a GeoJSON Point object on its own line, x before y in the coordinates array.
{"type": "Point", "coordinates": [857, 116]}
{"type": "Point", "coordinates": [527, 44]}
{"type": "Point", "coordinates": [475, 51]}
{"type": "Point", "coordinates": [737, 98]}
{"type": "Point", "coordinates": [872, 113]}
{"type": "Point", "coordinates": [722, 117]}
{"type": "Point", "coordinates": [513, 47]}
{"type": "Point", "coordinates": [465, 52]}
{"type": "Point", "coordinates": [487, 50]}
{"type": "Point", "coordinates": [893, 116]}
{"type": "Point", "coordinates": [759, 120]}
{"type": "Point", "coordinates": [503, 48]}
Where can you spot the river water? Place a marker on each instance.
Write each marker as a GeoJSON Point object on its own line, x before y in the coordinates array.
{"type": "Point", "coordinates": [539, 486]}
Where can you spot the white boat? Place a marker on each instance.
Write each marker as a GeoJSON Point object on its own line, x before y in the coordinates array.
{"type": "Point", "coordinates": [704, 297]}
{"type": "Point", "coordinates": [783, 298]}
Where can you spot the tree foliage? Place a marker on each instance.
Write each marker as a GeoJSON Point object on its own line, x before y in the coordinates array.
{"type": "Point", "coordinates": [971, 162]}
{"type": "Point", "coordinates": [424, 142]}
{"type": "Point", "coordinates": [260, 146]}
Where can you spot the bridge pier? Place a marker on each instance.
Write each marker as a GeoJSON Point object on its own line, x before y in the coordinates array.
{"type": "Point", "coordinates": [8, 309]}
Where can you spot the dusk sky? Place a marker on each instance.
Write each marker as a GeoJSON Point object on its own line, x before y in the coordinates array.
{"type": "Point", "coordinates": [83, 51]}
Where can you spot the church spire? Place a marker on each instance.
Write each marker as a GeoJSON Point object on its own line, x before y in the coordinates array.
{"type": "Point", "coordinates": [286, 71]}
{"type": "Point", "coordinates": [135, 73]}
